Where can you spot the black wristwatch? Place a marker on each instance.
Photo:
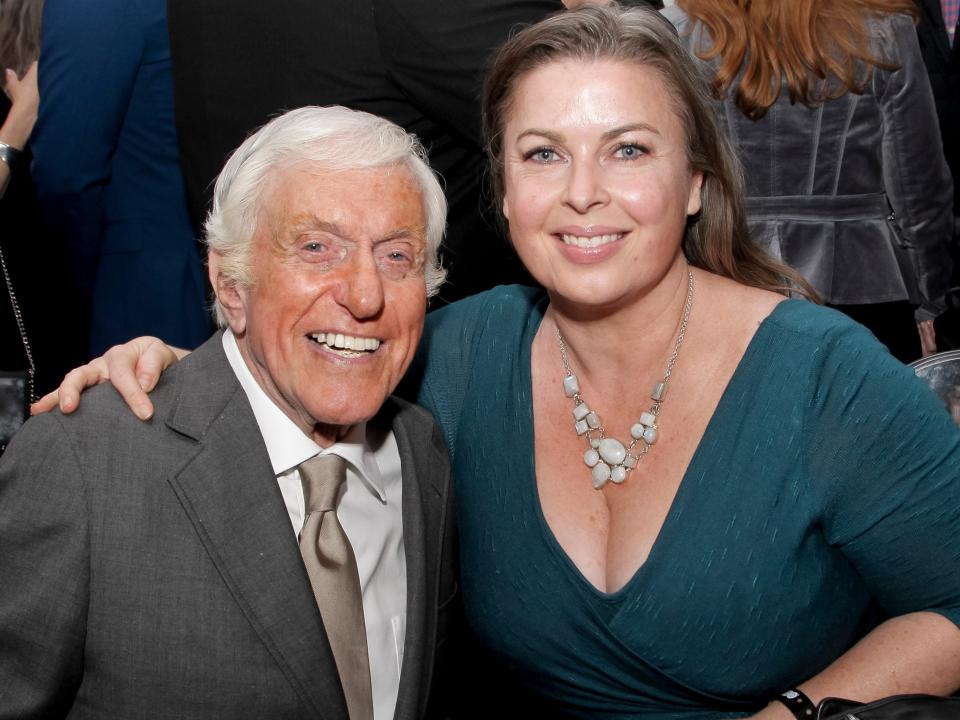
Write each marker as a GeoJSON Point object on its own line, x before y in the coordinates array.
{"type": "Point", "coordinates": [799, 704]}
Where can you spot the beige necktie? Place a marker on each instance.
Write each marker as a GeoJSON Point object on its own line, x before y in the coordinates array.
{"type": "Point", "coordinates": [332, 569]}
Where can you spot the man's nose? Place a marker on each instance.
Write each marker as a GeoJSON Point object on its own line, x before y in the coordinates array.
{"type": "Point", "coordinates": [585, 186]}
{"type": "Point", "coordinates": [360, 289]}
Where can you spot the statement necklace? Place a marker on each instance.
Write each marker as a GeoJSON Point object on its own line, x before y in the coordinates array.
{"type": "Point", "coordinates": [608, 458]}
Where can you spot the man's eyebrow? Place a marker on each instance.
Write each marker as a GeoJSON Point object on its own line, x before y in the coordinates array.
{"type": "Point", "coordinates": [312, 222]}
{"type": "Point", "coordinates": [402, 233]}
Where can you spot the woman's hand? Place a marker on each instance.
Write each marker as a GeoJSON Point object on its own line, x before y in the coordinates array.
{"type": "Point", "coordinates": [133, 368]}
{"type": "Point", "coordinates": [25, 101]}
{"type": "Point", "coordinates": [18, 124]}
{"type": "Point", "coordinates": [928, 337]}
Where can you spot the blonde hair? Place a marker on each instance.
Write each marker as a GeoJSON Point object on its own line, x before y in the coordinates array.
{"type": "Point", "coordinates": [717, 239]}
{"type": "Point", "coordinates": [19, 33]}
{"type": "Point", "coordinates": [818, 49]}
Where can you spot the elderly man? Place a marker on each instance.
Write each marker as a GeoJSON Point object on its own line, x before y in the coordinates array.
{"type": "Point", "coordinates": [276, 541]}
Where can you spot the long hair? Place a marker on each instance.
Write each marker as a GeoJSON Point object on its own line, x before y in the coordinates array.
{"type": "Point", "coordinates": [19, 33]}
{"type": "Point", "coordinates": [818, 49]}
{"type": "Point", "coordinates": [717, 239]}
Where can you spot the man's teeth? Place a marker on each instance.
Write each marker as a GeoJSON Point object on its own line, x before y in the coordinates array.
{"type": "Point", "coordinates": [339, 341]}
{"type": "Point", "coordinates": [590, 242]}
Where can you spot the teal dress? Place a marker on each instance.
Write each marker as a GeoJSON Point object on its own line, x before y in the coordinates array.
{"type": "Point", "coordinates": [823, 498]}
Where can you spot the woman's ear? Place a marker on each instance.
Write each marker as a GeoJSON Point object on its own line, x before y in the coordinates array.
{"type": "Point", "coordinates": [695, 201]}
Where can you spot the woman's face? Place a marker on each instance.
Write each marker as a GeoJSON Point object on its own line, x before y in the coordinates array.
{"type": "Point", "coordinates": [597, 186]}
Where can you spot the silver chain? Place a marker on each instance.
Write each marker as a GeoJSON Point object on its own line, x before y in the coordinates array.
{"type": "Point", "coordinates": [655, 408]}
{"type": "Point", "coordinates": [18, 316]}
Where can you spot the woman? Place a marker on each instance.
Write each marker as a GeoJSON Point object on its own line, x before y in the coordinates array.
{"type": "Point", "coordinates": [830, 110]}
{"type": "Point", "coordinates": [752, 524]}
{"type": "Point", "coordinates": [19, 48]}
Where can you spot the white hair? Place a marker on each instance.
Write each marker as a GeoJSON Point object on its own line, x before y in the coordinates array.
{"type": "Point", "coordinates": [333, 138]}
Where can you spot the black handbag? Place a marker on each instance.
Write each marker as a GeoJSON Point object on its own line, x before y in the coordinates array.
{"type": "Point", "coordinates": [895, 707]}
{"type": "Point", "coordinates": [16, 388]}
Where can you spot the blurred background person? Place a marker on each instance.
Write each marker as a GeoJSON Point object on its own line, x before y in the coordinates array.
{"type": "Point", "coordinates": [937, 32]}
{"type": "Point", "coordinates": [107, 170]}
{"type": "Point", "coordinates": [420, 63]}
{"type": "Point", "coordinates": [830, 110]}
{"type": "Point", "coordinates": [34, 257]}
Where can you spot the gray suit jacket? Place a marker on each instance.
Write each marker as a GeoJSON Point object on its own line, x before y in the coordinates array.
{"type": "Point", "coordinates": [853, 193]}
{"type": "Point", "coordinates": [148, 570]}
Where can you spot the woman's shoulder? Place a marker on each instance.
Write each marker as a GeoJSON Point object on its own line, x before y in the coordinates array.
{"type": "Point", "coordinates": [796, 330]}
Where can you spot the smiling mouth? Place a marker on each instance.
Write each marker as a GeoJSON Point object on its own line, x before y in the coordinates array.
{"type": "Point", "coordinates": [592, 241]}
{"type": "Point", "coordinates": [346, 345]}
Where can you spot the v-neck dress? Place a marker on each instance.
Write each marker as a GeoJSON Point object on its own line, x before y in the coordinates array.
{"type": "Point", "coordinates": [823, 497]}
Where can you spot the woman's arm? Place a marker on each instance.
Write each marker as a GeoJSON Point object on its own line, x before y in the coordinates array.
{"type": "Point", "coordinates": [133, 368]}
{"type": "Point", "coordinates": [882, 465]}
{"type": "Point", "coordinates": [914, 653]}
{"type": "Point", "coordinates": [17, 127]}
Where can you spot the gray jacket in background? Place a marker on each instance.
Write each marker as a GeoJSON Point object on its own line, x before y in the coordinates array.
{"type": "Point", "coordinates": [854, 193]}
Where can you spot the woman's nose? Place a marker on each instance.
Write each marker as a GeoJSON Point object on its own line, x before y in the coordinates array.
{"type": "Point", "coordinates": [585, 187]}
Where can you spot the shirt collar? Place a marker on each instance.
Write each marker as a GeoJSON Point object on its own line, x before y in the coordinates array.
{"type": "Point", "coordinates": [287, 445]}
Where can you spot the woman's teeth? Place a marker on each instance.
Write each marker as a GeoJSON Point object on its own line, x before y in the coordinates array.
{"type": "Point", "coordinates": [339, 341]}
{"type": "Point", "coordinates": [590, 242]}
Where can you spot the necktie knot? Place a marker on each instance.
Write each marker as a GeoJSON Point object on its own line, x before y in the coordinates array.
{"type": "Point", "coordinates": [322, 477]}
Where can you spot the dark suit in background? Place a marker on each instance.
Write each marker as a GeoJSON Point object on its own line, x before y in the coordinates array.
{"type": "Point", "coordinates": [150, 570]}
{"type": "Point", "coordinates": [236, 63]}
{"type": "Point", "coordinates": [107, 171]}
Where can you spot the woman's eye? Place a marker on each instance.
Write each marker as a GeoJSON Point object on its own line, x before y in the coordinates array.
{"type": "Point", "coordinates": [629, 151]}
{"type": "Point", "coordinates": [542, 155]}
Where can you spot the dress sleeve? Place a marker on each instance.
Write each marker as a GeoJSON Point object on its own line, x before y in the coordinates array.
{"type": "Point", "coordinates": [89, 57]}
{"type": "Point", "coordinates": [915, 172]}
{"type": "Point", "coordinates": [883, 459]}
{"type": "Point", "coordinates": [44, 572]}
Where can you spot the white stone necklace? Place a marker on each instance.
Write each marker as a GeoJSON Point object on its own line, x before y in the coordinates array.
{"type": "Point", "coordinates": [609, 458]}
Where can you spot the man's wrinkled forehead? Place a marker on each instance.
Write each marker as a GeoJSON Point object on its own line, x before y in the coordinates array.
{"type": "Point", "coordinates": [305, 196]}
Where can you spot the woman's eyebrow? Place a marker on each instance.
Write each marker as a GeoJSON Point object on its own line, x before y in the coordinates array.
{"type": "Point", "coordinates": [630, 127]}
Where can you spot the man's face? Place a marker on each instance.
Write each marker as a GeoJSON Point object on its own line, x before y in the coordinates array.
{"type": "Point", "coordinates": [328, 340]}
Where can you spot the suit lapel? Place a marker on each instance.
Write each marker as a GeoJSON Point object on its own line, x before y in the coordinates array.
{"type": "Point", "coordinates": [425, 485]}
{"type": "Point", "coordinates": [934, 13]}
{"type": "Point", "coordinates": [229, 492]}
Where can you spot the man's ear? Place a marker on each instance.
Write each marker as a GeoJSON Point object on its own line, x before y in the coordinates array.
{"type": "Point", "coordinates": [228, 293]}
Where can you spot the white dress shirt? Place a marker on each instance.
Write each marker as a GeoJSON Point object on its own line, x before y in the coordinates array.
{"type": "Point", "coordinates": [369, 511]}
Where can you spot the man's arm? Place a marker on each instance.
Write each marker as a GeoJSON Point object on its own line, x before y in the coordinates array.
{"type": "Point", "coordinates": [44, 572]}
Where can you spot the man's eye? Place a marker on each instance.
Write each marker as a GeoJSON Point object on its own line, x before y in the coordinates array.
{"type": "Point", "coordinates": [319, 251]}
{"type": "Point", "coordinates": [397, 256]}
